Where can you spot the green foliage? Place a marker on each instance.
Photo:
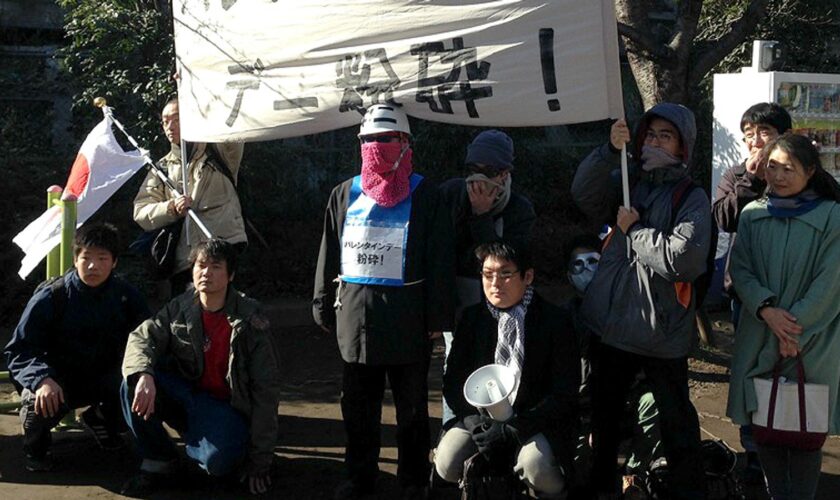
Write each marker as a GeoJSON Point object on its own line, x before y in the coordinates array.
{"type": "Point", "coordinates": [807, 29]}
{"type": "Point", "coordinates": [123, 51]}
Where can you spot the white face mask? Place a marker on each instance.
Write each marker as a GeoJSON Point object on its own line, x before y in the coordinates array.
{"type": "Point", "coordinates": [582, 269]}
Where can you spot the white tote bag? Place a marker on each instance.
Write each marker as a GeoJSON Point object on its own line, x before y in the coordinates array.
{"type": "Point", "coordinates": [790, 414]}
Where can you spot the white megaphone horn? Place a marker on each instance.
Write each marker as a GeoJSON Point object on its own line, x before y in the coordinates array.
{"type": "Point", "coordinates": [489, 388]}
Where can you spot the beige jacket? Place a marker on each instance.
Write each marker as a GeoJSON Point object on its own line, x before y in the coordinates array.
{"type": "Point", "coordinates": [214, 198]}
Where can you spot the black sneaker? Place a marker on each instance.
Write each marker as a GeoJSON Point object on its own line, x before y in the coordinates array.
{"type": "Point", "coordinates": [39, 464]}
{"type": "Point", "coordinates": [144, 484]}
{"type": "Point", "coordinates": [105, 438]}
{"type": "Point", "coordinates": [414, 492]}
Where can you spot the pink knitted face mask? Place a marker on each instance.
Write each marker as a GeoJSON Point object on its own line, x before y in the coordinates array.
{"type": "Point", "coordinates": [383, 183]}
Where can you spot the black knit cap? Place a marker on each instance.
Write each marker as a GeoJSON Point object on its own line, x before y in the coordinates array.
{"type": "Point", "coordinates": [493, 148]}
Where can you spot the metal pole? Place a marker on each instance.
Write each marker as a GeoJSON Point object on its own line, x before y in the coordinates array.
{"type": "Point", "coordinates": [101, 103]}
{"type": "Point", "coordinates": [54, 257]}
{"type": "Point", "coordinates": [68, 230]}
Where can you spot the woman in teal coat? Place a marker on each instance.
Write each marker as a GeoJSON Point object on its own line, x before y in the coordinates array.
{"type": "Point", "coordinates": [786, 269]}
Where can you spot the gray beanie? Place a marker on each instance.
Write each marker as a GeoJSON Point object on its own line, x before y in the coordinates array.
{"type": "Point", "coordinates": [493, 148]}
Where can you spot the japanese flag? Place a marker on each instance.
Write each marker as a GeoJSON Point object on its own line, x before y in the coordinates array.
{"type": "Point", "coordinates": [100, 169]}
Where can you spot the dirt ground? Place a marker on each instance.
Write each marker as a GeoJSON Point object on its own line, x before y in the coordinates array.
{"type": "Point", "coordinates": [310, 446]}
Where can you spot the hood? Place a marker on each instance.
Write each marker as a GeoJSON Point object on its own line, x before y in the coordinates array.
{"type": "Point", "coordinates": [677, 114]}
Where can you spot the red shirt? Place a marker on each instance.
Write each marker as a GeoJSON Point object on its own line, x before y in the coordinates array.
{"type": "Point", "coordinates": [217, 332]}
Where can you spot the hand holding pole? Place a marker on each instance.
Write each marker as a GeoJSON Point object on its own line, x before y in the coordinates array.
{"type": "Point", "coordinates": [100, 102]}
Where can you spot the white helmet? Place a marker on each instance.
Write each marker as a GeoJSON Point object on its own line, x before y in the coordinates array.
{"type": "Point", "coordinates": [381, 118]}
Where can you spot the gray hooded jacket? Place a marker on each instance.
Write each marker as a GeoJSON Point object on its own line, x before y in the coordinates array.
{"type": "Point", "coordinates": [634, 304]}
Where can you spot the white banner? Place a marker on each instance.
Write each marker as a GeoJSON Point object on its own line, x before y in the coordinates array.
{"type": "Point", "coordinates": [266, 69]}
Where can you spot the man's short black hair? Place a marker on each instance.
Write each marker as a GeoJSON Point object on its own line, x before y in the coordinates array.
{"type": "Point", "coordinates": [583, 240]}
{"type": "Point", "coordinates": [218, 251]}
{"type": "Point", "coordinates": [767, 113]}
{"type": "Point", "coordinates": [101, 235]}
{"type": "Point", "coordinates": [520, 255]}
{"type": "Point", "coordinates": [171, 100]}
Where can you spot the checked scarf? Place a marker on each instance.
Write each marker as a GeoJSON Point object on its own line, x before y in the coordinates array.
{"type": "Point", "coordinates": [510, 346]}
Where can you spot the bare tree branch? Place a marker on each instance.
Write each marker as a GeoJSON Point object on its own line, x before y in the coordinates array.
{"type": "Point", "coordinates": [686, 29]}
{"type": "Point", "coordinates": [653, 50]}
{"type": "Point", "coordinates": [739, 31]}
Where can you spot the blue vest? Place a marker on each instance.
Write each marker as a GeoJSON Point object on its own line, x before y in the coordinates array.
{"type": "Point", "coordinates": [374, 238]}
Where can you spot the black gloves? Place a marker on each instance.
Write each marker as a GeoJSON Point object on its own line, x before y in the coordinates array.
{"type": "Point", "coordinates": [491, 434]}
{"type": "Point", "coordinates": [473, 422]}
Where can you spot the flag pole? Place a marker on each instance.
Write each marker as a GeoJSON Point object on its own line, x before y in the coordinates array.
{"type": "Point", "coordinates": [184, 158]}
{"type": "Point", "coordinates": [100, 102]}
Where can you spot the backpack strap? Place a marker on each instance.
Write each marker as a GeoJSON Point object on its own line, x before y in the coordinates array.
{"type": "Point", "coordinates": [59, 296]}
{"type": "Point", "coordinates": [217, 163]}
{"type": "Point", "coordinates": [684, 187]}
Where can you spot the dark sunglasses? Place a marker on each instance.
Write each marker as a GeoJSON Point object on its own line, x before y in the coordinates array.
{"type": "Point", "coordinates": [484, 170]}
{"type": "Point", "coordinates": [379, 138]}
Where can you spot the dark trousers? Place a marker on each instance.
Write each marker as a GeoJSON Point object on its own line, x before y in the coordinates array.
{"type": "Point", "coordinates": [79, 390]}
{"type": "Point", "coordinates": [361, 406]}
{"type": "Point", "coordinates": [614, 372]}
{"type": "Point", "coordinates": [215, 434]}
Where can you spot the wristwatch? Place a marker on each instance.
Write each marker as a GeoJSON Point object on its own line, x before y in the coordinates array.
{"type": "Point", "coordinates": [768, 302]}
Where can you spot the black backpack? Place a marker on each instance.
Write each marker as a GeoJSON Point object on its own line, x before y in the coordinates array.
{"type": "Point", "coordinates": [721, 480]}
{"type": "Point", "coordinates": [702, 283]}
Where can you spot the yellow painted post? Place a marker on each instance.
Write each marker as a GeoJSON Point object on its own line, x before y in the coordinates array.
{"type": "Point", "coordinates": [68, 231]}
{"type": "Point", "coordinates": [54, 257]}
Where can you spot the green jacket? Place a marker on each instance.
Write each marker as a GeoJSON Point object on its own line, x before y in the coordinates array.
{"type": "Point", "coordinates": [795, 262]}
{"type": "Point", "coordinates": [173, 340]}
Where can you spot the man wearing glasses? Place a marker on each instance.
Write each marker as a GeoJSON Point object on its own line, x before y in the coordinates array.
{"type": "Point", "coordinates": [640, 305]}
{"type": "Point", "coordinates": [740, 185]}
{"type": "Point", "coordinates": [384, 285]}
{"type": "Point", "coordinates": [515, 327]}
{"type": "Point", "coordinates": [483, 209]}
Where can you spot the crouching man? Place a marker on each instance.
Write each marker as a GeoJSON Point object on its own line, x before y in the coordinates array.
{"type": "Point", "coordinates": [515, 327]}
{"type": "Point", "coordinates": [204, 365]}
{"type": "Point", "coordinates": [65, 352]}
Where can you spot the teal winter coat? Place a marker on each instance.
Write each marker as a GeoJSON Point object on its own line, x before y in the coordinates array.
{"type": "Point", "coordinates": [795, 262]}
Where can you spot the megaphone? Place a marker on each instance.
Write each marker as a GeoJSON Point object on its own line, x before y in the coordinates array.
{"type": "Point", "coordinates": [489, 387]}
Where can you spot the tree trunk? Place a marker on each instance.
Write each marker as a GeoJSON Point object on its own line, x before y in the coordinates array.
{"type": "Point", "coordinates": [661, 48]}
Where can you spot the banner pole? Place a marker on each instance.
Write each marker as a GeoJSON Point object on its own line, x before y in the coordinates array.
{"type": "Point", "coordinates": [100, 102]}
{"type": "Point", "coordinates": [625, 185]}
{"type": "Point", "coordinates": [184, 183]}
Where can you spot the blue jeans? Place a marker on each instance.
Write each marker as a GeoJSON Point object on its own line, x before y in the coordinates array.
{"type": "Point", "coordinates": [214, 433]}
{"type": "Point", "coordinates": [790, 474]}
